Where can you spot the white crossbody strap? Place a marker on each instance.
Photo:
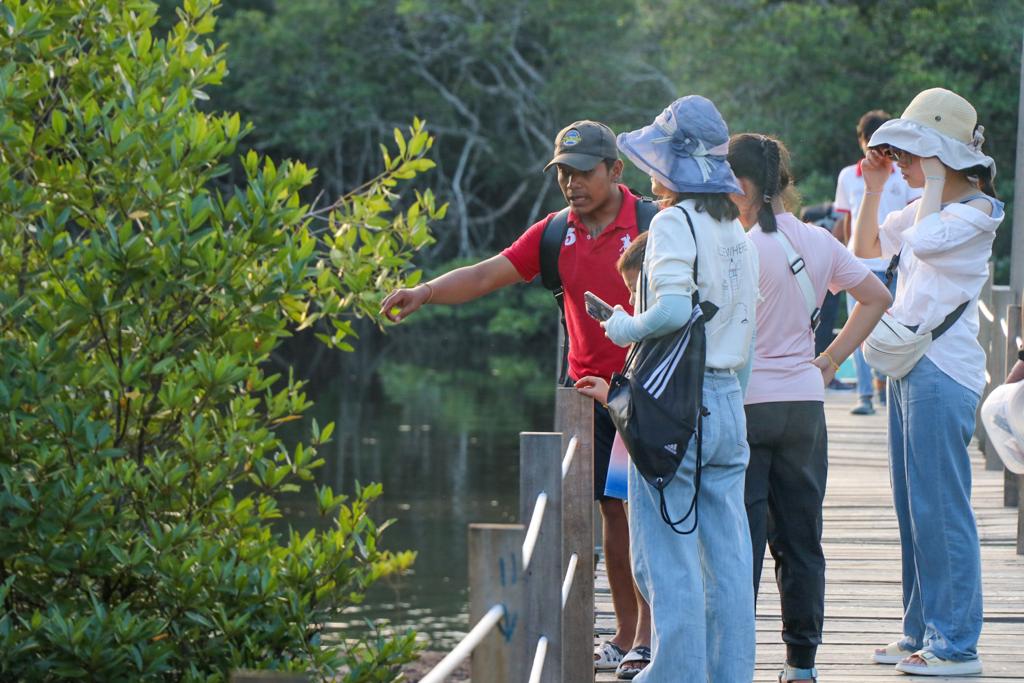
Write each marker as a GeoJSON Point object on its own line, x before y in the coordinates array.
{"type": "Point", "coordinates": [798, 268]}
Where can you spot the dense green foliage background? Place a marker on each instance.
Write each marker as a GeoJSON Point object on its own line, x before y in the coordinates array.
{"type": "Point", "coordinates": [156, 264]}
{"type": "Point", "coordinates": [147, 275]}
{"type": "Point", "coordinates": [325, 81]}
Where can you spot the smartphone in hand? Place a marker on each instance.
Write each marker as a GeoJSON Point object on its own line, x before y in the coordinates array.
{"type": "Point", "coordinates": [597, 308]}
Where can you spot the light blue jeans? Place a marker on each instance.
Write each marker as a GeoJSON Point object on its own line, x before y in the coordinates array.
{"type": "Point", "coordinates": [931, 422]}
{"type": "Point", "coordinates": [865, 373]}
{"type": "Point", "coordinates": [698, 586]}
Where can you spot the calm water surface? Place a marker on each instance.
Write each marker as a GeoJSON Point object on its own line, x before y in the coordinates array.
{"type": "Point", "coordinates": [445, 447]}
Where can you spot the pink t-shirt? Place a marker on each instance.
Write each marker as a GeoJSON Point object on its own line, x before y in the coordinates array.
{"type": "Point", "coordinates": [784, 346]}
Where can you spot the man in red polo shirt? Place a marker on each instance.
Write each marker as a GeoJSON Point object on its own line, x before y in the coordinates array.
{"type": "Point", "coordinates": [602, 223]}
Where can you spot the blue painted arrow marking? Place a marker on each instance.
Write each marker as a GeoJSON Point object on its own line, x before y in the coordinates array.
{"type": "Point", "coordinates": [507, 625]}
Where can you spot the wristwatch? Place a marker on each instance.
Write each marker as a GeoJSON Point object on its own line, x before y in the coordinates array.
{"type": "Point", "coordinates": [1020, 354]}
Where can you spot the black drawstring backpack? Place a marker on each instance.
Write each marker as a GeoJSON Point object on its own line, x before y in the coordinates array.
{"type": "Point", "coordinates": [656, 402]}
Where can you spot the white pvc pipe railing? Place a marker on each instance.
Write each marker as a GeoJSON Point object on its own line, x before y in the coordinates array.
{"type": "Point", "coordinates": [533, 531]}
{"type": "Point", "coordinates": [985, 311]}
{"type": "Point", "coordinates": [538, 660]}
{"type": "Point", "coordinates": [570, 453]}
{"type": "Point", "coordinates": [570, 574]}
{"type": "Point", "coordinates": [473, 639]}
{"type": "Point", "coordinates": [465, 648]}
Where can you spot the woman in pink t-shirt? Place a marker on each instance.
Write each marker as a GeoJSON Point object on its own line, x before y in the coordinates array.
{"type": "Point", "coordinates": [784, 400]}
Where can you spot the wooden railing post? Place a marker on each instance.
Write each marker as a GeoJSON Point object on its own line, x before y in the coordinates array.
{"type": "Point", "coordinates": [1011, 493]}
{"type": "Point", "coordinates": [540, 471]}
{"type": "Point", "coordinates": [495, 577]}
{"type": "Point", "coordinates": [1020, 516]}
{"type": "Point", "coordinates": [574, 416]}
{"type": "Point", "coordinates": [986, 321]}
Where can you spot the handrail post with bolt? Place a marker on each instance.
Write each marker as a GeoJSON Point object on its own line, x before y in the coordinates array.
{"type": "Point", "coordinates": [540, 478]}
{"type": "Point", "coordinates": [574, 418]}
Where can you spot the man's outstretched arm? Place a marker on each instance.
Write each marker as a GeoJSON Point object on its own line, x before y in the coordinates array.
{"type": "Point", "coordinates": [454, 287]}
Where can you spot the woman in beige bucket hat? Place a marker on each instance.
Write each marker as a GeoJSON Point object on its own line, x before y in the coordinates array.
{"type": "Point", "coordinates": [941, 245]}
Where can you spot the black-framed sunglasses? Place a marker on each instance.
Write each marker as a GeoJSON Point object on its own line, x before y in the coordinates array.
{"type": "Point", "coordinates": [899, 155]}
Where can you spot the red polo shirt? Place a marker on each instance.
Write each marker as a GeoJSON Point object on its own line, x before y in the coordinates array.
{"type": "Point", "coordinates": [585, 264]}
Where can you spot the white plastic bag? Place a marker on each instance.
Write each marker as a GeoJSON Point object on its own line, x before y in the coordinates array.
{"type": "Point", "coordinates": [1002, 413]}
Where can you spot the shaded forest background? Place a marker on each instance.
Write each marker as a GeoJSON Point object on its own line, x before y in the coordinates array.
{"type": "Point", "coordinates": [326, 81]}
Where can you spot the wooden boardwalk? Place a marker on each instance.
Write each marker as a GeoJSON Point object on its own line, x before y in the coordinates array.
{"type": "Point", "coordinates": [863, 598]}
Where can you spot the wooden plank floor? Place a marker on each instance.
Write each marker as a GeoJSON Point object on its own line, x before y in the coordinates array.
{"type": "Point", "coordinates": [863, 606]}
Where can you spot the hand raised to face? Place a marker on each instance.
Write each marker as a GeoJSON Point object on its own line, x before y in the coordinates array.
{"type": "Point", "coordinates": [876, 169]}
{"type": "Point", "coordinates": [933, 169]}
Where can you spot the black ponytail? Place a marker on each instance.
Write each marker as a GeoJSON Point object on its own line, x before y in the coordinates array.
{"type": "Point", "coordinates": [763, 161]}
{"type": "Point", "coordinates": [769, 185]}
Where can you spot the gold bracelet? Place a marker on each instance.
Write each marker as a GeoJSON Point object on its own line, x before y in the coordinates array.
{"type": "Point", "coordinates": [430, 291]}
{"type": "Point", "coordinates": [835, 365]}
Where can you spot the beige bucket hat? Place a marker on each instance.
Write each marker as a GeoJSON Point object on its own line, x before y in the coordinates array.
{"type": "Point", "coordinates": [937, 123]}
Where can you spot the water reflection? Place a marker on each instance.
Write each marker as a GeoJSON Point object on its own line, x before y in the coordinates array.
{"type": "Point", "coordinates": [443, 441]}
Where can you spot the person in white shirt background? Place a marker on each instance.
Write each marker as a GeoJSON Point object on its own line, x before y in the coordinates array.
{"type": "Point", "coordinates": [944, 243]}
{"type": "Point", "coordinates": [896, 194]}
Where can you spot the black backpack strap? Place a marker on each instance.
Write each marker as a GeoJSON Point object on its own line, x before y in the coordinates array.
{"type": "Point", "coordinates": [551, 241]}
{"type": "Point", "coordinates": [890, 270]}
{"type": "Point", "coordinates": [707, 308]}
{"type": "Point", "coordinates": [950, 319]}
{"type": "Point", "coordinates": [646, 210]}
{"type": "Point", "coordinates": [693, 510]}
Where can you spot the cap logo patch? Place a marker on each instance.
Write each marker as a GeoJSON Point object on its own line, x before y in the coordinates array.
{"type": "Point", "coordinates": [571, 138]}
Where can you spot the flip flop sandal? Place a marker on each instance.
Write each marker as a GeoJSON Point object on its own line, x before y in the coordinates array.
{"type": "Point", "coordinates": [791, 674]}
{"type": "Point", "coordinates": [891, 654]}
{"type": "Point", "coordinates": [608, 656]}
{"type": "Point", "coordinates": [641, 655]}
{"type": "Point", "coordinates": [933, 665]}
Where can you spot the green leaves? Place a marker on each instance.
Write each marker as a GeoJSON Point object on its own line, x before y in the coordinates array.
{"type": "Point", "coordinates": [368, 248]}
{"type": "Point", "coordinates": [139, 302]}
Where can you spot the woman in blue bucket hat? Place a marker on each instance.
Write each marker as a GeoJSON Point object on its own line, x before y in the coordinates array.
{"type": "Point", "coordinates": [698, 585]}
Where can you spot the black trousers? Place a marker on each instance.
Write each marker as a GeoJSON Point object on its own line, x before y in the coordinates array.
{"type": "Point", "coordinates": [785, 488]}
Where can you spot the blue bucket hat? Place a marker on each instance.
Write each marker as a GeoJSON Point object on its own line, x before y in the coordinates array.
{"type": "Point", "coordinates": [685, 148]}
